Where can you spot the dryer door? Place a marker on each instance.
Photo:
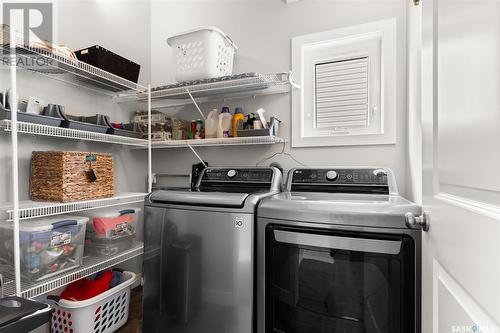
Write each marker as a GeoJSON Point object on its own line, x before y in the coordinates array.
{"type": "Point", "coordinates": [334, 281]}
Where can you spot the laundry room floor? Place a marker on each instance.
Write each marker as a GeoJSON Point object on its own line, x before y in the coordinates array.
{"type": "Point", "coordinates": [134, 323]}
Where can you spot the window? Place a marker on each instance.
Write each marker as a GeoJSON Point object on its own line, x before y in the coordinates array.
{"type": "Point", "coordinates": [348, 80]}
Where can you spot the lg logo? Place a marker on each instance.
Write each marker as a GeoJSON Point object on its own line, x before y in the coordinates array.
{"type": "Point", "coordinates": [238, 223]}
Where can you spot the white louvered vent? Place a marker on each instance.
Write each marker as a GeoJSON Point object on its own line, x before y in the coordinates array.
{"type": "Point", "coordinates": [341, 98]}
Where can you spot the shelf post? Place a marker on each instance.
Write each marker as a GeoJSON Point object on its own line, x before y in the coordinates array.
{"type": "Point", "coordinates": [150, 159]}
{"type": "Point", "coordinates": [15, 171]}
{"type": "Point", "coordinates": [196, 104]}
{"type": "Point", "coordinates": [196, 154]}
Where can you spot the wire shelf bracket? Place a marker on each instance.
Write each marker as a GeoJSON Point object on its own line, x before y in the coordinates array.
{"type": "Point", "coordinates": [225, 89]}
{"type": "Point", "coordinates": [218, 142]}
{"type": "Point", "coordinates": [32, 209]}
{"type": "Point", "coordinates": [68, 133]}
{"type": "Point", "coordinates": [196, 104]}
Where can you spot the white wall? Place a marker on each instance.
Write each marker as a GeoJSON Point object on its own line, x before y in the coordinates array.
{"type": "Point", "coordinates": [262, 31]}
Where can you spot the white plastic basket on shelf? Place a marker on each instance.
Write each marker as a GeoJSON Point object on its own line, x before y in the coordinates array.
{"type": "Point", "coordinates": [202, 53]}
{"type": "Point", "coordinates": [104, 313]}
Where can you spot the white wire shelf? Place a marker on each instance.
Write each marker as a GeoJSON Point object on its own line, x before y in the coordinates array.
{"type": "Point", "coordinates": [91, 265]}
{"type": "Point", "coordinates": [59, 66]}
{"type": "Point", "coordinates": [67, 133]}
{"type": "Point", "coordinates": [211, 90]}
{"type": "Point", "coordinates": [34, 209]}
{"type": "Point", "coordinates": [240, 141]}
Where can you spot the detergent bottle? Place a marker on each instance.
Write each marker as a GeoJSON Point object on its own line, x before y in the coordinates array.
{"type": "Point", "coordinates": [238, 118]}
{"type": "Point", "coordinates": [211, 124]}
{"type": "Point", "coordinates": [224, 128]}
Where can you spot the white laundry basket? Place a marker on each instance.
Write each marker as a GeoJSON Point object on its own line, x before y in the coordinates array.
{"type": "Point", "coordinates": [104, 313]}
{"type": "Point", "coordinates": [202, 53]}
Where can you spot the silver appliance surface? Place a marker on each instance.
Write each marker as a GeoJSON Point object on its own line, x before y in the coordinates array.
{"type": "Point", "coordinates": [188, 197]}
{"type": "Point", "coordinates": [199, 252]}
{"type": "Point", "coordinates": [334, 235]}
{"type": "Point", "coordinates": [363, 210]}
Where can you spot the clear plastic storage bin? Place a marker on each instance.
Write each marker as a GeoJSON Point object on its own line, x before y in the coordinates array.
{"type": "Point", "coordinates": [111, 231]}
{"type": "Point", "coordinates": [48, 246]}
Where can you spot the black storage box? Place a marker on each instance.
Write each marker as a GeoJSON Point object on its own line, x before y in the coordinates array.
{"type": "Point", "coordinates": [110, 62]}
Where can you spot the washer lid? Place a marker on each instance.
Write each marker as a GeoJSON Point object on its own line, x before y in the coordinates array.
{"type": "Point", "coordinates": [363, 210]}
{"type": "Point", "coordinates": [189, 198]}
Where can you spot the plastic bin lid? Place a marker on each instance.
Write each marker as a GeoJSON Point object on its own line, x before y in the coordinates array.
{"type": "Point", "coordinates": [211, 29]}
{"type": "Point", "coordinates": [113, 212]}
{"type": "Point", "coordinates": [44, 224]}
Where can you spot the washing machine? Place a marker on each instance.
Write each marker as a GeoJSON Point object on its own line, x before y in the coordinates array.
{"type": "Point", "coordinates": [199, 252]}
{"type": "Point", "coordinates": [335, 253]}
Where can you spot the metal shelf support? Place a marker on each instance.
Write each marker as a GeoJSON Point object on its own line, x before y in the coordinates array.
{"type": "Point", "coordinates": [196, 154]}
{"type": "Point", "coordinates": [292, 81]}
{"type": "Point", "coordinates": [15, 167]}
{"type": "Point", "coordinates": [150, 152]}
{"type": "Point", "coordinates": [196, 104]}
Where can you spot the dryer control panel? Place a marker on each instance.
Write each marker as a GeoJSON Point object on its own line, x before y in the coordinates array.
{"type": "Point", "coordinates": [239, 180]}
{"type": "Point", "coordinates": [238, 175]}
{"type": "Point", "coordinates": [341, 180]}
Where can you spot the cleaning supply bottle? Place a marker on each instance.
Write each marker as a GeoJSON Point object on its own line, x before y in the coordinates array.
{"type": "Point", "coordinates": [238, 119]}
{"type": "Point", "coordinates": [224, 128]}
{"type": "Point", "coordinates": [211, 124]}
{"type": "Point", "coordinates": [246, 124]}
{"type": "Point", "coordinates": [257, 124]}
{"type": "Point", "coordinates": [250, 119]}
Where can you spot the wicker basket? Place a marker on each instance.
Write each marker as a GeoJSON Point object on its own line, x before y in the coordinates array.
{"type": "Point", "coordinates": [64, 176]}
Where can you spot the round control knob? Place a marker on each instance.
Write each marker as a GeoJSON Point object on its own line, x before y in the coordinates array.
{"type": "Point", "coordinates": [331, 175]}
{"type": "Point", "coordinates": [232, 173]}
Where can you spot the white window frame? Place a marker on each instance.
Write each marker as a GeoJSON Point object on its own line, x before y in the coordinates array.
{"type": "Point", "coordinates": [346, 43]}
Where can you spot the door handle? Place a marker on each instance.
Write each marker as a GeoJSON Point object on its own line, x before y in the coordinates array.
{"type": "Point", "coordinates": [415, 222]}
{"type": "Point", "coordinates": [338, 242]}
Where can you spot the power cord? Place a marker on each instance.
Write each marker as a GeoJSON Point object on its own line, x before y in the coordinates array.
{"type": "Point", "coordinates": [282, 152]}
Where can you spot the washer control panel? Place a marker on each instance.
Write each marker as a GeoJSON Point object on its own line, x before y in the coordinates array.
{"type": "Point", "coordinates": [345, 180]}
{"type": "Point", "coordinates": [238, 175]}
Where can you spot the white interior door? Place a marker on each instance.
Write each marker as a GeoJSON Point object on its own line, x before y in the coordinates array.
{"type": "Point", "coordinates": [461, 164]}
